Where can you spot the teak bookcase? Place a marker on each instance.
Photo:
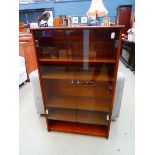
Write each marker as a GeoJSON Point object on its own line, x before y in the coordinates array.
{"type": "Point", "coordinates": [78, 70]}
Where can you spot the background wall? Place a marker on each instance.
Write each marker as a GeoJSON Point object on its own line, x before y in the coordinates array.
{"type": "Point", "coordinates": [77, 7]}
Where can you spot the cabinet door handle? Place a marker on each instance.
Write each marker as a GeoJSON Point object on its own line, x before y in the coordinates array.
{"type": "Point", "coordinates": [72, 81]}
{"type": "Point", "coordinates": [78, 81]}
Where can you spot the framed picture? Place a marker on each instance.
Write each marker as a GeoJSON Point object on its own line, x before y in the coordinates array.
{"type": "Point", "coordinates": [106, 21]}
{"type": "Point", "coordinates": [75, 20]}
{"type": "Point", "coordinates": [67, 21]}
{"type": "Point", "coordinates": [83, 20]}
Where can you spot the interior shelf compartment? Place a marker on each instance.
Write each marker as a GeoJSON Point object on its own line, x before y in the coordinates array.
{"type": "Point", "coordinates": [84, 103]}
{"type": "Point", "coordinates": [61, 114]}
{"type": "Point", "coordinates": [93, 104]}
{"type": "Point", "coordinates": [69, 75]}
{"type": "Point", "coordinates": [100, 90]}
{"type": "Point", "coordinates": [92, 117]}
{"type": "Point", "coordinates": [82, 116]}
{"type": "Point", "coordinates": [66, 102]}
{"type": "Point", "coordinates": [105, 73]}
{"type": "Point", "coordinates": [79, 128]}
{"type": "Point", "coordinates": [63, 72]}
{"type": "Point", "coordinates": [58, 88]}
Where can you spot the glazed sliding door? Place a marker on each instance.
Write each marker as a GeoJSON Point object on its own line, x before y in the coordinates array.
{"type": "Point", "coordinates": [95, 78]}
{"type": "Point", "coordinates": [58, 66]}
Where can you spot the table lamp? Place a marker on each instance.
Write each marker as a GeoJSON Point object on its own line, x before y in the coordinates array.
{"type": "Point", "coordinates": [97, 9]}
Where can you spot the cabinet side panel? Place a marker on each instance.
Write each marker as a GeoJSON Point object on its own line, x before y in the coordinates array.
{"type": "Point", "coordinates": [38, 65]}
{"type": "Point", "coordinates": [115, 76]}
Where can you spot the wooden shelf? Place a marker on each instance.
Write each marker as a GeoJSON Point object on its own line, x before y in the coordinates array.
{"type": "Point", "coordinates": [47, 59]}
{"type": "Point", "coordinates": [73, 60]}
{"type": "Point", "coordinates": [70, 76]}
{"type": "Point", "coordinates": [79, 128]}
{"type": "Point", "coordinates": [62, 114]}
{"type": "Point", "coordinates": [59, 75]}
{"type": "Point", "coordinates": [84, 103]}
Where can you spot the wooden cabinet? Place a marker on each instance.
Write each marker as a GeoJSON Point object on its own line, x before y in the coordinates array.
{"type": "Point", "coordinates": [78, 69]}
{"type": "Point", "coordinates": [123, 17]}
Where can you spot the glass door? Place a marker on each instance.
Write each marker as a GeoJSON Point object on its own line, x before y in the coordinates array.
{"type": "Point", "coordinates": [94, 86]}
{"type": "Point", "coordinates": [95, 78]}
{"type": "Point", "coordinates": [59, 88]}
{"type": "Point", "coordinates": [57, 51]}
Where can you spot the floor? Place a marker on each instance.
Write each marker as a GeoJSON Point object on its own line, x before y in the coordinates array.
{"type": "Point", "coordinates": [35, 140]}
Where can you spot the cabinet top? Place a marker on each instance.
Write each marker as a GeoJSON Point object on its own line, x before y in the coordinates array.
{"type": "Point", "coordinates": [79, 27]}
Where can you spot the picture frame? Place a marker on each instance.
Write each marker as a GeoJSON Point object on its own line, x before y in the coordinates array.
{"type": "Point", "coordinates": [84, 20]}
{"type": "Point", "coordinates": [106, 21]}
{"type": "Point", "coordinates": [75, 20]}
{"type": "Point", "coordinates": [67, 21]}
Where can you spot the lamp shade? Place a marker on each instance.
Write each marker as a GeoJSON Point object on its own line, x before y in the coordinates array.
{"type": "Point", "coordinates": [97, 7]}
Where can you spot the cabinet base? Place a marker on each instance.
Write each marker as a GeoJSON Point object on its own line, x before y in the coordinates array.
{"type": "Point", "coordinates": [78, 128]}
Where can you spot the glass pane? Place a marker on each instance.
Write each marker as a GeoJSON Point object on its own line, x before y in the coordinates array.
{"type": "Point", "coordinates": [92, 117]}
{"type": "Point", "coordinates": [57, 54]}
{"type": "Point", "coordinates": [62, 114]}
{"type": "Point", "coordinates": [60, 46]}
{"type": "Point", "coordinates": [95, 76]}
{"type": "Point", "coordinates": [95, 85]}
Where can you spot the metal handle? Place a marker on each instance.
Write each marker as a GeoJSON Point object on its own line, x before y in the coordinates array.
{"type": "Point", "coordinates": [78, 81]}
{"type": "Point", "coordinates": [72, 81]}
